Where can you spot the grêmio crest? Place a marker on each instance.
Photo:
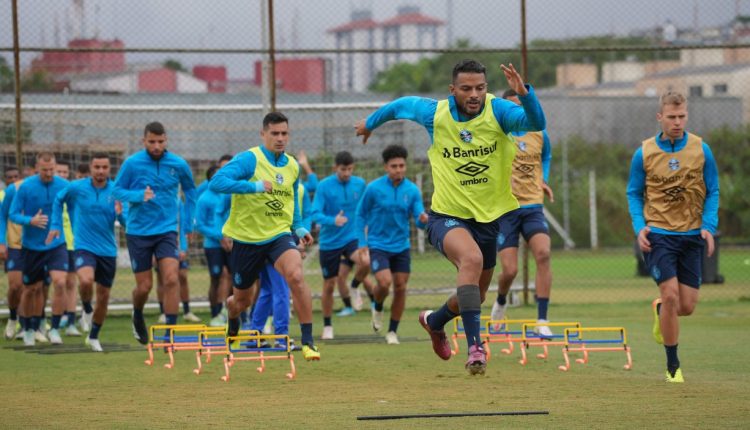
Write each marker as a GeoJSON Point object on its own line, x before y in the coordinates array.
{"type": "Point", "coordinates": [465, 135]}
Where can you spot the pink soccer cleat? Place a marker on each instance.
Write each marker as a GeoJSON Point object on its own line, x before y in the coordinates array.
{"type": "Point", "coordinates": [439, 340]}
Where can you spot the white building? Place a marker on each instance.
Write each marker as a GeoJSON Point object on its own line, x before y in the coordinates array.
{"type": "Point", "coordinates": [409, 29]}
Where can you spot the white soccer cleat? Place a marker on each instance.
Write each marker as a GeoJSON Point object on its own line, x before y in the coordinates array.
{"type": "Point", "coordinates": [72, 331]}
{"type": "Point", "coordinates": [29, 338]}
{"type": "Point", "coordinates": [40, 337]}
{"type": "Point", "coordinates": [391, 338]}
{"type": "Point", "coordinates": [542, 330]}
{"type": "Point", "coordinates": [356, 299]}
{"type": "Point", "coordinates": [217, 321]}
{"type": "Point", "coordinates": [54, 337]}
{"type": "Point", "coordinates": [498, 313]}
{"type": "Point", "coordinates": [191, 317]}
{"type": "Point", "coordinates": [94, 344]}
{"type": "Point", "coordinates": [162, 319]}
{"type": "Point", "coordinates": [327, 332]}
{"type": "Point", "coordinates": [377, 320]}
{"type": "Point", "coordinates": [10, 329]}
{"type": "Point", "coordinates": [85, 321]}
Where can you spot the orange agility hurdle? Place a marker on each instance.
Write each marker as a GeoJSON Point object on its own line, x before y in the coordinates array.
{"type": "Point", "coordinates": [506, 331]}
{"type": "Point", "coordinates": [458, 332]}
{"type": "Point", "coordinates": [544, 341]}
{"type": "Point", "coordinates": [212, 342]}
{"type": "Point", "coordinates": [238, 347]}
{"type": "Point", "coordinates": [176, 337]}
{"type": "Point", "coordinates": [575, 337]}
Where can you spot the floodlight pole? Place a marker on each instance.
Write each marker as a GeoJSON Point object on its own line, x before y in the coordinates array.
{"type": "Point", "coordinates": [524, 53]}
{"type": "Point", "coordinates": [17, 82]}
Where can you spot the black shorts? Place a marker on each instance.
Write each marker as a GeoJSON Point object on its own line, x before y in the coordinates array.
{"type": "Point", "coordinates": [142, 249]}
{"type": "Point", "coordinates": [71, 261]}
{"type": "Point", "coordinates": [14, 262]}
{"type": "Point", "coordinates": [396, 262]}
{"type": "Point", "coordinates": [332, 258]}
{"type": "Point", "coordinates": [38, 264]}
{"type": "Point", "coordinates": [522, 221]}
{"type": "Point", "coordinates": [104, 267]}
{"type": "Point", "coordinates": [247, 260]}
{"type": "Point", "coordinates": [217, 259]}
{"type": "Point", "coordinates": [675, 255]}
{"type": "Point", "coordinates": [484, 234]}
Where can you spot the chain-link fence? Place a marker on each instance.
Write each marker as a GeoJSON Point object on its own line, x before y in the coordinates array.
{"type": "Point", "coordinates": [91, 74]}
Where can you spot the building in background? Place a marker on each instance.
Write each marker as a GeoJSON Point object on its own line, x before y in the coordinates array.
{"type": "Point", "coordinates": [137, 79]}
{"type": "Point", "coordinates": [215, 77]}
{"type": "Point", "coordinates": [409, 29]}
{"type": "Point", "coordinates": [59, 63]}
{"type": "Point", "coordinates": [297, 75]}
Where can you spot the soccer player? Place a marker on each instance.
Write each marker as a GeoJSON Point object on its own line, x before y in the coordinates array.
{"type": "Point", "coordinates": [529, 184]}
{"type": "Point", "coordinates": [334, 204]}
{"type": "Point", "coordinates": [211, 214]}
{"type": "Point", "coordinates": [673, 198]}
{"type": "Point", "coordinates": [83, 171]}
{"type": "Point", "coordinates": [62, 169]}
{"type": "Point", "coordinates": [224, 159]}
{"type": "Point", "coordinates": [311, 183]}
{"type": "Point", "coordinates": [264, 184]}
{"type": "Point", "coordinates": [31, 207]}
{"type": "Point", "coordinates": [149, 181]}
{"type": "Point", "coordinates": [383, 230]}
{"type": "Point", "coordinates": [471, 156]}
{"type": "Point", "coordinates": [94, 210]}
{"type": "Point", "coordinates": [10, 251]}
{"type": "Point", "coordinates": [273, 297]}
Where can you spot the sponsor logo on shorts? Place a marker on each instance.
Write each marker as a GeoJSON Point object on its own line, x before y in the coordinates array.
{"type": "Point", "coordinates": [500, 239]}
{"type": "Point", "coordinates": [11, 264]}
{"type": "Point", "coordinates": [79, 261]}
{"type": "Point", "coordinates": [450, 222]}
{"type": "Point", "coordinates": [215, 269]}
{"type": "Point", "coordinates": [375, 265]}
{"type": "Point", "coordinates": [237, 279]}
{"type": "Point", "coordinates": [655, 273]}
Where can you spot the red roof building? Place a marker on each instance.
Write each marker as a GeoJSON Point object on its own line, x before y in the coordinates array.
{"type": "Point", "coordinates": [58, 63]}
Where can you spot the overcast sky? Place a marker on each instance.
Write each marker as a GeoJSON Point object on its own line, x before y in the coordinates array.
{"type": "Point", "coordinates": [302, 23]}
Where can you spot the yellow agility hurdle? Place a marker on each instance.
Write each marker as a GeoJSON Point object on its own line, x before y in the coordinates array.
{"type": "Point", "coordinates": [575, 342]}
{"type": "Point", "coordinates": [458, 332]}
{"type": "Point", "coordinates": [211, 342]}
{"type": "Point", "coordinates": [176, 337]}
{"type": "Point", "coordinates": [544, 341]}
{"type": "Point", "coordinates": [505, 331]}
{"type": "Point", "coordinates": [242, 344]}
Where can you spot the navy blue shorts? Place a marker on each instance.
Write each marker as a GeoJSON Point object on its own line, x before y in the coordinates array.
{"type": "Point", "coordinates": [71, 261]}
{"type": "Point", "coordinates": [397, 262]}
{"type": "Point", "coordinates": [142, 249]}
{"type": "Point", "coordinates": [38, 264]}
{"type": "Point", "coordinates": [484, 234]}
{"type": "Point", "coordinates": [217, 259]}
{"type": "Point", "coordinates": [675, 255]}
{"type": "Point", "coordinates": [14, 263]}
{"type": "Point", "coordinates": [332, 258]}
{"type": "Point", "coordinates": [525, 221]}
{"type": "Point", "coordinates": [104, 267]}
{"type": "Point", "coordinates": [247, 260]}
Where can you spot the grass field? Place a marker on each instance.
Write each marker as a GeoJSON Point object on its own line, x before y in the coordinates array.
{"type": "Point", "coordinates": [116, 390]}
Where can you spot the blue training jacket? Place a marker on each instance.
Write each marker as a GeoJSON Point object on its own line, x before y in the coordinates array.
{"type": "Point", "coordinates": [385, 211]}
{"type": "Point", "coordinates": [511, 117]}
{"type": "Point", "coordinates": [94, 212]}
{"type": "Point", "coordinates": [210, 215]}
{"type": "Point", "coordinates": [637, 183]}
{"type": "Point", "coordinates": [332, 197]}
{"type": "Point", "coordinates": [10, 192]}
{"type": "Point", "coordinates": [31, 196]}
{"type": "Point", "coordinates": [160, 214]}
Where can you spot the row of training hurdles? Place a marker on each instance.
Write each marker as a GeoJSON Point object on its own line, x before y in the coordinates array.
{"type": "Point", "coordinates": [206, 341]}
{"type": "Point", "coordinates": [574, 339]}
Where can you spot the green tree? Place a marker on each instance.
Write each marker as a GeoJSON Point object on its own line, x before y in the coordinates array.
{"type": "Point", "coordinates": [431, 75]}
{"type": "Point", "coordinates": [175, 65]}
{"type": "Point", "coordinates": [6, 76]}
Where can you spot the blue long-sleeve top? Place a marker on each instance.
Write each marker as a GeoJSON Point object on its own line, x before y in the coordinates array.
{"type": "Point", "coordinates": [384, 211]}
{"type": "Point", "coordinates": [234, 178]}
{"type": "Point", "coordinates": [10, 193]}
{"type": "Point", "coordinates": [311, 183]}
{"type": "Point", "coordinates": [306, 211]}
{"type": "Point", "coordinates": [210, 215]}
{"type": "Point", "coordinates": [94, 212]}
{"type": "Point", "coordinates": [186, 223]}
{"type": "Point", "coordinates": [165, 176]}
{"type": "Point", "coordinates": [546, 159]}
{"type": "Point", "coordinates": [31, 196]}
{"type": "Point", "coordinates": [332, 197]}
{"type": "Point", "coordinates": [511, 117]}
{"type": "Point", "coordinates": [200, 189]}
{"type": "Point", "coordinates": [637, 183]}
